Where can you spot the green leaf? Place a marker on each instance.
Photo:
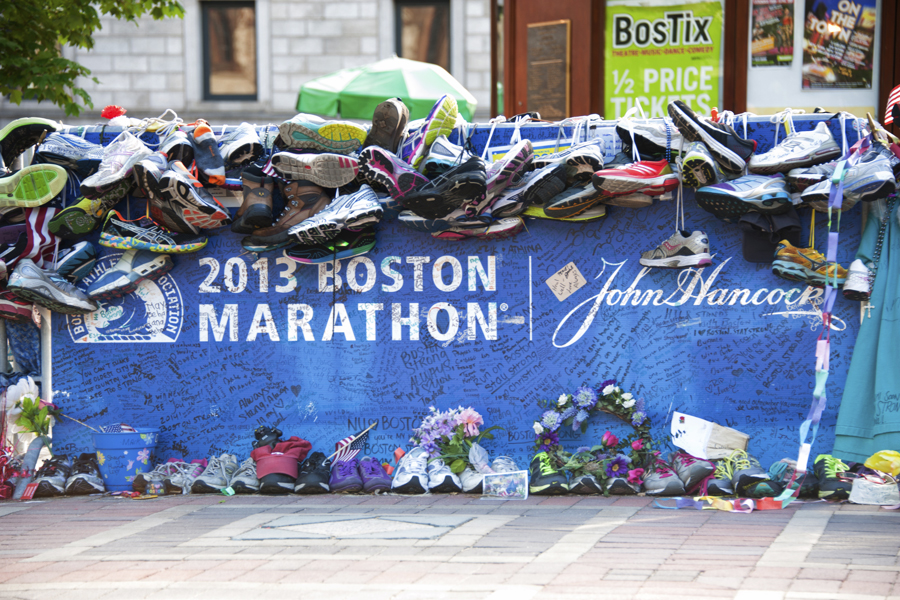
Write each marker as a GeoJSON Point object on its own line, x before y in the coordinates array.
{"type": "Point", "coordinates": [25, 422]}
{"type": "Point", "coordinates": [458, 466]}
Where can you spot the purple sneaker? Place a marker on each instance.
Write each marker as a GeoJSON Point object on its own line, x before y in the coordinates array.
{"type": "Point", "coordinates": [383, 169]}
{"type": "Point", "coordinates": [345, 476]}
{"type": "Point", "coordinates": [374, 477]}
{"type": "Point", "coordinates": [440, 121]}
{"type": "Point", "coordinates": [507, 171]}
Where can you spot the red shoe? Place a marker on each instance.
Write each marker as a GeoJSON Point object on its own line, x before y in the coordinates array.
{"type": "Point", "coordinates": [13, 308]}
{"type": "Point", "coordinates": [650, 177]}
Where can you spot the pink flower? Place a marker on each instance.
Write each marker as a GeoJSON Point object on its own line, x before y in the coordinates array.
{"type": "Point", "coordinates": [44, 403]}
{"type": "Point", "coordinates": [635, 476]}
{"type": "Point", "coordinates": [609, 440]}
{"type": "Point", "coordinates": [637, 444]}
{"type": "Point", "coordinates": [471, 420]}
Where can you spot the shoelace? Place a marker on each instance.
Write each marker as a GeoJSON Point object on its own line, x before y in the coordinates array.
{"type": "Point", "coordinates": [785, 118]}
{"type": "Point", "coordinates": [663, 469]}
{"type": "Point", "coordinates": [346, 468]}
{"type": "Point", "coordinates": [729, 118]}
{"type": "Point", "coordinates": [417, 463]}
{"type": "Point", "coordinates": [371, 468]}
{"type": "Point", "coordinates": [546, 467]}
{"type": "Point", "coordinates": [833, 466]}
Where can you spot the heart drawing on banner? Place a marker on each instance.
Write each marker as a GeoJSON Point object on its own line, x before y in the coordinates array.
{"type": "Point", "coordinates": [296, 389]}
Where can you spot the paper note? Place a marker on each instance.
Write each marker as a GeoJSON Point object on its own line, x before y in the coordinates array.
{"type": "Point", "coordinates": [691, 434]}
{"type": "Point", "coordinates": [566, 281]}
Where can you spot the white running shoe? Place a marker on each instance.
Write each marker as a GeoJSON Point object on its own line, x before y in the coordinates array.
{"type": "Point", "coordinates": [472, 481]}
{"type": "Point", "coordinates": [799, 149]}
{"type": "Point", "coordinates": [350, 211]}
{"type": "Point", "coordinates": [241, 145]}
{"type": "Point", "coordinates": [411, 476]}
{"type": "Point", "coordinates": [857, 285]}
{"type": "Point", "coordinates": [680, 251]}
{"type": "Point", "coordinates": [119, 159]}
{"type": "Point", "coordinates": [441, 479]}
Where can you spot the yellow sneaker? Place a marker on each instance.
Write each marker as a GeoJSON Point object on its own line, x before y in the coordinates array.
{"type": "Point", "coordinates": [806, 265]}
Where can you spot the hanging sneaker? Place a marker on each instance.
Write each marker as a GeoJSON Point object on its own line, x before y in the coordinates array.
{"type": "Point", "coordinates": [619, 486]}
{"type": "Point", "coordinates": [798, 150]}
{"type": "Point", "coordinates": [209, 161]}
{"type": "Point", "coordinates": [142, 481]}
{"type": "Point", "coordinates": [177, 146]}
{"type": "Point", "coordinates": [584, 485]}
{"type": "Point", "coordinates": [388, 125]}
{"type": "Point", "coordinates": [76, 262]}
{"type": "Point", "coordinates": [654, 139]}
{"type": "Point", "coordinates": [351, 211]}
{"type": "Point", "coordinates": [727, 147]}
{"type": "Point", "coordinates": [594, 213]}
{"type": "Point", "coordinates": [144, 233]}
{"type": "Point", "coordinates": [858, 282]}
{"type": "Point", "coordinates": [870, 179]}
{"type": "Point", "coordinates": [70, 152]}
{"type": "Point", "coordinates": [52, 476]}
{"type": "Point", "coordinates": [497, 230]}
{"type": "Point", "coordinates": [240, 146]}
{"type": "Point", "coordinates": [536, 187]}
{"type": "Point", "coordinates": [381, 169]}
{"type": "Point", "coordinates": [581, 160]}
{"type": "Point", "coordinates": [374, 477]}
{"type": "Point", "coordinates": [244, 480]}
{"type": "Point", "coordinates": [345, 477]}
{"type": "Point", "coordinates": [347, 244]}
{"type": "Point", "coordinates": [301, 201]}
{"type": "Point", "coordinates": [699, 168]}
{"type": "Point", "coordinates": [510, 169]}
{"type": "Point", "coordinates": [828, 470]}
{"type": "Point", "coordinates": [806, 265]}
{"type": "Point", "coordinates": [411, 475]}
{"type": "Point", "coordinates": [216, 476]}
{"type": "Point", "coordinates": [440, 121]}
{"type": "Point", "coordinates": [119, 158]}
{"type": "Point", "coordinates": [719, 484]}
{"type": "Point", "coordinates": [255, 211]}
{"type": "Point", "coordinates": [85, 478]}
{"type": "Point", "coordinates": [462, 185]}
{"type": "Point", "coordinates": [13, 308]}
{"type": "Point", "coordinates": [185, 473]}
{"type": "Point", "coordinates": [544, 479]}
{"type": "Point", "coordinates": [441, 479]}
{"type": "Point", "coordinates": [124, 277]}
{"type": "Point", "coordinates": [31, 186]}
{"type": "Point", "coordinates": [181, 191]}
{"type": "Point", "coordinates": [690, 469]}
{"type": "Point", "coordinates": [48, 289]}
{"type": "Point", "coordinates": [442, 156]}
{"type": "Point", "coordinates": [87, 214]}
{"type": "Point", "coordinates": [471, 481]}
{"type": "Point", "coordinates": [732, 199]}
{"type": "Point", "coordinates": [21, 134]}
{"type": "Point", "coordinates": [661, 480]}
{"type": "Point", "coordinates": [680, 251]}
{"type": "Point", "coordinates": [653, 178]}
{"type": "Point", "coordinates": [314, 475]}
{"type": "Point", "coordinates": [457, 218]}
{"type": "Point", "coordinates": [148, 171]}
{"type": "Point", "coordinates": [749, 479]}
{"type": "Point", "coordinates": [315, 133]}
{"type": "Point", "coordinates": [327, 170]}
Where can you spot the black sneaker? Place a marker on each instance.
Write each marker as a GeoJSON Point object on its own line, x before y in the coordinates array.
{"type": "Point", "coordinates": [544, 478]}
{"type": "Point", "coordinates": [22, 134]}
{"type": "Point", "coordinates": [784, 470]}
{"type": "Point", "coordinates": [314, 474]}
{"type": "Point", "coordinates": [729, 149]}
{"type": "Point", "coordinates": [828, 469]}
{"type": "Point", "coordinates": [463, 184]}
{"type": "Point", "coordinates": [584, 485]}
{"type": "Point", "coordinates": [85, 478]}
{"type": "Point", "coordinates": [144, 233]}
{"type": "Point", "coordinates": [573, 201]}
{"type": "Point", "coordinates": [348, 243]}
{"type": "Point", "coordinates": [266, 436]}
{"type": "Point", "coordinates": [52, 476]}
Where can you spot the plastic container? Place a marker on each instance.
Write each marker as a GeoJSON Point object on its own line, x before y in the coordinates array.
{"type": "Point", "coordinates": [122, 456]}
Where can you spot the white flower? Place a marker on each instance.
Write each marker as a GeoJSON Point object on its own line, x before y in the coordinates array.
{"type": "Point", "coordinates": [563, 398]}
{"type": "Point", "coordinates": [538, 428]}
{"type": "Point", "coordinates": [616, 389]}
{"type": "Point", "coordinates": [627, 396]}
{"type": "Point", "coordinates": [628, 403]}
{"type": "Point", "coordinates": [608, 390]}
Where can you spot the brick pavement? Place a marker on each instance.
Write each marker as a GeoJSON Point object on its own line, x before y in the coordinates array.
{"type": "Point", "coordinates": [557, 548]}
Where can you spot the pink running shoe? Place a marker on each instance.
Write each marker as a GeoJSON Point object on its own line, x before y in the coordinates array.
{"type": "Point", "coordinates": [651, 177]}
{"type": "Point", "coordinates": [383, 169]}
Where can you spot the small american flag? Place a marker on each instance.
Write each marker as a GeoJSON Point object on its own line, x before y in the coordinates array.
{"type": "Point", "coordinates": [351, 445]}
{"type": "Point", "coordinates": [893, 99]}
{"type": "Point", "coordinates": [117, 428]}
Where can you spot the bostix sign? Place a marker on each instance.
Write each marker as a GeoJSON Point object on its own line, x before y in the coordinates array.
{"type": "Point", "coordinates": [657, 54]}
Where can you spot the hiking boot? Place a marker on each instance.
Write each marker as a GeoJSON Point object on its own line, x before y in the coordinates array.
{"type": "Point", "coordinates": [21, 134]}
{"type": "Point", "coordinates": [217, 475]}
{"type": "Point", "coordinates": [31, 186]}
{"type": "Point", "coordinates": [661, 480]}
{"type": "Point", "coordinates": [185, 473]}
{"type": "Point", "coordinates": [729, 149]}
{"type": "Point", "coordinates": [48, 289]}
{"type": "Point", "coordinates": [124, 277]}
{"type": "Point", "coordinates": [302, 200]}
{"type": "Point", "coordinates": [192, 203]}
{"type": "Point", "coordinates": [119, 158]}
{"type": "Point", "coordinates": [544, 478]}
{"type": "Point", "coordinates": [244, 480]}
{"type": "Point", "coordinates": [690, 469]}
{"type": "Point", "coordinates": [681, 250]}
{"type": "Point", "coordinates": [327, 170]}
{"type": "Point", "coordinates": [383, 170]}
{"type": "Point", "coordinates": [255, 211]}
{"type": "Point", "coordinates": [440, 121]}
{"type": "Point", "coordinates": [76, 262]}
{"type": "Point", "coordinates": [374, 477]}
{"type": "Point", "coordinates": [749, 479]}
{"type": "Point", "coordinates": [350, 211]}
{"type": "Point", "coordinates": [144, 233]}
{"type": "Point", "coordinates": [388, 125]}
{"type": "Point", "coordinates": [208, 158]}
{"type": "Point", "coordinates": [314, 475]}
{"type": "Point", "coordinates": [584, 485]}
{"type": "Point", "coordinates": [315, 133]}
{"type": "Point", "coordinates": [71, 152]}
{"type": "Point", "coordinates": [85, 478]}
{"type": "Point", "coordinates": [411, 476]}
{"type": "Point", "coordinates": [828, 470]}
{"type": "Point", "coordinates": [241, 146]}
{"type": "Point", "coordinates": [345, 477]}
{"type": "Point", "coordinates": [441, 479]}
{"type": "Point", "coordinates": [347, 244]}
{"type": "Point", "coordinates": [52, 476]}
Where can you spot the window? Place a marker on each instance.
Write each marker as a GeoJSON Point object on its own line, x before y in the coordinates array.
{"type": "Point", "coordinates": [229, 51]}
{"type": "Point", "coordinates": [423, 31]}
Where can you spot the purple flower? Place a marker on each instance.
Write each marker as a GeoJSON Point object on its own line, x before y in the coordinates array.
{"type": "Point", "coordinates": [606, 383]}
{"type": "Point", "coordinates": [585, 398]}
{"type": "Point", "coordinates": [583, 449]}
{"type": "Point", "coordinates": [639, 406]}
{"type": "Point", "coordinates": [637, 419]}
{"type": "Point", "coordinates": [580, 418]}
{"type": "Point", "coordinates": [617, 467]}
{"type": "Point", "coordinates": [548, 439]}
{"type": "Point", "coordinates": [569, 412]}
{"type": "Point", "coordinates": [551, 420]}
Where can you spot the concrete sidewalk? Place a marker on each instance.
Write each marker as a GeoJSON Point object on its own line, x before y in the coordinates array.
{"type": "Point", "coordinates": [434, 547]}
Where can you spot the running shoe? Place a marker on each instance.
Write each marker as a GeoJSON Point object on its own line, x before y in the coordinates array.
{"type": "Point", "coordinates": [544, 479]}
{"type": "Point", "coordinates": [48, 289]}
{"type": "Point", "coordinates": [699, 168]}
{"type": "Point", "coordinates": [585, 485]}
{"type": "Point", "coordinates": [240, 146]}
{"type": "Point", "coordinates": [144, 233]}
{"type": "Point", "coordinates": [749, 479]}
{"type": "Point", "coordinates": [654, 138]}
{"type": "Point", "coordinates": [536, 187]}
{"type": "Point", "coordinates": [382, 169]}
{"type": "Point", "coordinates": [857, 286]}
{"type": "Point", "coordinates": [31, 186]}
{"type": "Point", "coordinates": [441, 479]}
{"type": "Point", "coordinates": [350, 211]}
{"type": "Point", "coordinates": [177, 146]}
{"type": "Point", "coordinates": [727, 147]}
{"type": "Point", "coordinates": [634, 200]}
{"type": "Point", "coordinates": [799, 149]}
{"type": "Point", "coordinates": [13, 308]}
{"type": "Point", "coordinates": [594, 213]}
{"type": "Point", "coordinates": [411, 474]}
{"type": "Point", "coordinates": [442, 156]}
{"type": "Point", "coordinates": [680, 251]}
{"type": "Point", "coordinates": [690, 469]}
{"type": "Point", "coordinates": [71, 152]}
{"type": "Point", "coordinates": [148, 171]}
{"type": "Point", "coordinates": [21, 134]}
{"type": "Point", "coordinates": [389, 123]}
{"type": "Point", "coordinates": [806, 265]}
{"type": "Point", "coordinates": [870, 179]}
{"type": "Point", "coordinates": [573, 201]}
{"type": "Point", "coordinates": [327, 170]}
{"type": "Point", "coordinates": [661, 480]}
{"type": "Point", "coordinates": [83, 217]}
{"type": "Point", "coordinates": [732, 199]}
{"type": "Point", "coordinates": [785, 470]}
{"type": "Point", "coordinates": [52, 476]}
{"type": "Point", "coordinates": [510, 169]}
{"type": "Point", "coordinates": [719, 484]}
{"type": "Point", "coordinates": [124, 277]}
{"type": "Point", "coordinates": [581, 160]}
{"type": "Point", "coordinates": [828, 470]}
{"type": "Point", "coordinates": [440, 121]}
{"type": "Point", "coordinates": [347, 244]}
{"type": "Point", "coordinates": [207, 157]}
{"type": "Point", "coordinates": [464, 185]}
{"type": "Point", "coordinates": [76, 262]}
{"type": "Point", "coordinates": [119, 158]}
{"type": "Point", "coordinates": [85, 478]}
{"type": "Point", "coordinates": [313, 475]}
{"type": "Point", "coordinates": [498, 230]}
{"type": "Point", "coordinates": [315, 133]}
{"type": "Point", "coordinates": [182, 193]}
{"type": "Point", "coordinates": [652, 178]}
{"type": "Point", "coordinates": [457, 218]}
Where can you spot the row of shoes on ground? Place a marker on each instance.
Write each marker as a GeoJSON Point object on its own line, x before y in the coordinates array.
{"type": "Point", "coordinates": [61, 476]}
{"type": "Point", "coordinates": [417, 474]}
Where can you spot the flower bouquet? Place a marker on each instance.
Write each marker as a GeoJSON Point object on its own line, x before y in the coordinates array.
{"type": "Point", "coordinates": [449, 435]}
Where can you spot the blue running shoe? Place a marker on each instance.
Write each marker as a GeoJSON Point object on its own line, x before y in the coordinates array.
{"type": "Point", "coordinates": [731, 199]}
{"type": "Point", "coordinates": [440, 121]}
{"type": "Point", "coordinates": [124, 277]}
{"type": "Point", "coordinates": [457, 218]}
{"type": "Point", "coordinates": [74, 263]}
